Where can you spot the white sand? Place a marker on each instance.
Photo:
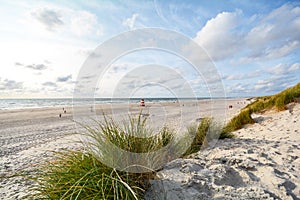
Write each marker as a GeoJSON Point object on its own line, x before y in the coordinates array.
{"type": "Point", "coordinates": [27, 135]}
{"type": "Point", "coordinates": [263, 162]}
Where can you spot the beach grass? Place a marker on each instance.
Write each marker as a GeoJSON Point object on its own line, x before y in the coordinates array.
{"type": "Point", "coordinates": [131, 135]}
{"type": "Point", "coordinates": [78, 175]}
{"type": "Point", "coordinates": [201, 132]}
{"type": "Point", "coordinates": [262, 104]}
{"type": "Point", "coordinates": [81, 175]}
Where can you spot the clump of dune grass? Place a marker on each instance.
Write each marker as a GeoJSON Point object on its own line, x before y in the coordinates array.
{"type": "Point", "coordinates": [82, 175]}
{"type": "Point", "coordinates": [79, 175]}
{"type": "Point", "coordinates": [131, 135]}
{"type": "Point", "coordinates": [207, 129]}
{"type": "Point", "coordinates": [262, 104]}
{"type": "Point", "coordinates": [237, 122]}
{"type": "Point", "coordinates": [131, 142]}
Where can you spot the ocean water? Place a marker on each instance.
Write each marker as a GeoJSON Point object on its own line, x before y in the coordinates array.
{"type": "Point", "coordinates": [59, 102]}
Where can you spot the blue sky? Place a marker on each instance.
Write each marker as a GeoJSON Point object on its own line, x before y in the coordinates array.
{"type": "Point", "coordinates": [254, 45]}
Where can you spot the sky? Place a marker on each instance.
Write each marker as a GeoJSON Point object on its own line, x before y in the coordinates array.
{"type": "Point", "coordinates": [245, 48]}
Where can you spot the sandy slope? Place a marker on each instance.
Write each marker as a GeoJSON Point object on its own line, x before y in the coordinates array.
{"type": "Point", "coordinates": [261, 163]}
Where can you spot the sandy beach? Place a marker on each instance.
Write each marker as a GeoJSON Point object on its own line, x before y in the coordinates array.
{"type": "Point", "coordinates": [262, 162]}
{"type": "Point", "coordinates": [28, 136]}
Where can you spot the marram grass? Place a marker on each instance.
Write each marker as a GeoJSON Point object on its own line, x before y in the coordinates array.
{"type": "Point", "coordinates": [80, 175]}
{"type": "Point", "coordinates": [201, 132]}
{"type": "Point", "coordinates": [277, 101]}
{"type": "Point", "coordinates": [133, 135]}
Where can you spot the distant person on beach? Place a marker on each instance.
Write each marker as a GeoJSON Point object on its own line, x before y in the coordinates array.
{"type": "Point", "coordinates": [59, 115]}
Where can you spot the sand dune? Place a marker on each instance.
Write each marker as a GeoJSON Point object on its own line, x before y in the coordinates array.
{"type": "Point", "coordinates": [261, 163]}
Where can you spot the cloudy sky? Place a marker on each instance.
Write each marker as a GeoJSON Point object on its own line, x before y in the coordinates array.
{"type": "Point", "coordinates": [254, 46]}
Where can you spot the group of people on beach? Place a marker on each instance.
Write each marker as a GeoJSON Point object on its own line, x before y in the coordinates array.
{"type": "Point", "coordinates": [64, 111]}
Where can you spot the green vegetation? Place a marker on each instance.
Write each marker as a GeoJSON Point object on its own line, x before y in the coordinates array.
{"type": "Point", "coordinates": [81, 175]}
{"type": "Point", "coordinates": [207, 128]}
{"type": "Point", "coordinates": [200, 133]}
{"type": "Point", "coordinates": [77, 175]}
{"type": "Point", "coordinates": [133, 136]}
{"type": "Point", "coordinates": [277, 101]}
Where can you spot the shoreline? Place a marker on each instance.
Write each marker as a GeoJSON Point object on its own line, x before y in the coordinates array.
{"type": "Point", "coordinates": [97, 101]}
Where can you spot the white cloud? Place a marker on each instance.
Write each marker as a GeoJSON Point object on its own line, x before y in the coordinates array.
{"type": "Point", "coordinates": [257, 38]}
{"type": "Point", "coordinates": [219, 36]}
{"type": "Point", "coordinates": [238, 89]}
{"type": "Point", "coordinates": [283, 69]}
{"type": "Point", "coordinates": [65, 20]}
{"type": "Point", "coordinates": [279, 69]}
{"type": "Point", "coordinates": [9, 85]}
{"type": "Point", "coordinates": [64, 78]}
{"type": "Point", "coordinates": [84, 23]}
{"type": "Point", "coordinates": [273, 84]}
{"type": "Point", "coordinates": [50, 84]}
{"type": "Point", "coordinates": [37, 66]}
{"type": "Point", "coordinates": [50, 18]}
{"type": "Point", "coordinates": [130, 22]}
{"type": "Point", "coordinates": [294, 67]}
{"type": "Point", "coordinates": [242, 76]}
{"type": "Point", "coordinates": [280, 24]}
{"type": "Point", "coordinates": [275, 35]}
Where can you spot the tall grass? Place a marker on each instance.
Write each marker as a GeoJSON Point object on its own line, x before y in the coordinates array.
{"type": "Point", "coordinates": [133, 135]}
{"type": "Point", "coordinates": [207, 129]}
{"type": "Point", "coordinates": [78, 175]}
{"type": "Point", "coordinates": [277, 101]}
{"type": "Point", "coordinates": [81, 175]}
{"type": "Point", "coordinates": [131, 143]}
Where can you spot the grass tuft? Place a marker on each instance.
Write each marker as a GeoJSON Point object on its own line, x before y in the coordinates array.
{"type": "Point", "coordinates": [133, 136]}
{"type": "Point", "coordinates": [78, 175]}
{"type": "Point", "coordinates": [238, 121]}
{"type": "Point", "coordinates": [81, 175]}
{"type": "Point", "coordinates": [206, 128]}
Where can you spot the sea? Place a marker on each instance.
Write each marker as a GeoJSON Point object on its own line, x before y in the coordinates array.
{"type": "Point", "coordinates": [59, 102]}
